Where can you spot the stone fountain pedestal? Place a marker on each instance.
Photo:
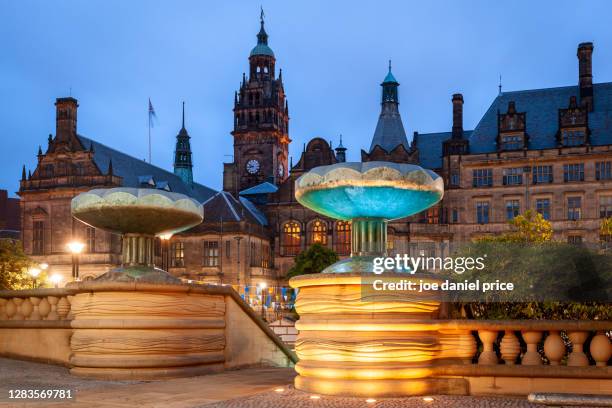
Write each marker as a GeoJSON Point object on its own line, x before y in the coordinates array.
{"type": "Point", "coordinates": [137, 321]}
{"type": "Point", "coordinates": [352, 340]}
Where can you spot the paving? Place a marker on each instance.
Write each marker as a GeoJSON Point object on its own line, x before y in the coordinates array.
{"type": "Point", "coordinates": [247, 388]}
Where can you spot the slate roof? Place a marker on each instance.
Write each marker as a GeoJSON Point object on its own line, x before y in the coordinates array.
{"type": "Point", "coordinates": [542, 108]}
{"type": "Point", "coordinates": [430, 148]}
{"type": "Point", "coordinates": [134, 170]}
{"type": "Point", "coordinates": [389, 131]}
{"type": "Point", "coordinates": [225, 206]}
{"type": "Point", "coordinates": [262, 188]}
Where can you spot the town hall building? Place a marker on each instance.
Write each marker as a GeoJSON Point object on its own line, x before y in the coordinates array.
{"type": "Point", "coordinates": [546, 150]}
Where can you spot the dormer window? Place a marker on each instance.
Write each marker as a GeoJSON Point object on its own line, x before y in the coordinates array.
{"type": "Point", "coordinates": [511, 129]}
{"type": "Point", "coordinates": [573, 125]}
{"type": "Point", "coordinates": [573, 137]}
{"type": "Point", "coordinates": [146, 181]}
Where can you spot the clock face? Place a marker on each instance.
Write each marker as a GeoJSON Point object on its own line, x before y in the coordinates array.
{"type": "Point", "coordinates": [281, 170]}
{"type": "Point", "coordinates": [252, 166]}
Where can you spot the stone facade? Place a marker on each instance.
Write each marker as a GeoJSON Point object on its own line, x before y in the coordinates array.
{"type": "Point", "coordinates": [10, 220]}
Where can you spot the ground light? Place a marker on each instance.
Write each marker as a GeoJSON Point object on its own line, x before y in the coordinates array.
{"type": "Point", "coordinates": [315, 397]}
{"type": "Point", "coordinates": [428, 399]}
{"type": "Point", "coordinates": [370, 400]}
{"type": "Point", "coordinates": [279, 390]}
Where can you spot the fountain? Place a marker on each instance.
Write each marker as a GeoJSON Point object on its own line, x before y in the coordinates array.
{"type": "Point", "coordinates": [352, 341]}
{"type": "Point", "coordinates": [138, 215]}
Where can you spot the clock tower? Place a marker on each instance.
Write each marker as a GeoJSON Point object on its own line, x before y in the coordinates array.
{"type": "Point", "coordinates": [261, 123]}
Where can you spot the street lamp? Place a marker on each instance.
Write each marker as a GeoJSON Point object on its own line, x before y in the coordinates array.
{"type": "Point", "coordinates": [165, 242]}
{"type": "Point", "coordinates": [238, 238]}
{"type": "Point", "coordinates": [262, 286]}
{"type": "Point", "coordinates": [34, 272]}
{"type": "Point", "coordinates": [75, 248]}
{"type": "Point", "coordinates": [56, 278]}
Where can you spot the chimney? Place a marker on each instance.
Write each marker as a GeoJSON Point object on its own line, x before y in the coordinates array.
{"type": "Point", "coordinates": [585, 74]}
{"type": "Point", "coordinates": [457, 116]}
{"type": "Point", "coordinates": [65, 119]}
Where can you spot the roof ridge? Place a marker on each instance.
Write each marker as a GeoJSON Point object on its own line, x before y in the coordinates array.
{"type": "Point", "coordinates": [223, 193]}
{"type": "Point", "coordinates": [135, 158]}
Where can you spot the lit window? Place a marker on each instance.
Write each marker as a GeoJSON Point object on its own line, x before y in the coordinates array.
{"type": "Point", "coordinates": [343, 237]}
{"type": "Point", "coordinates": [211, 253]}
{"type": "Point", "coordinates": [318, 232]}
{"type": "Point", "coordinates": [574, 208]}
{"type": "Point", "coordinates": [291, 239]}
{"type": "Point", "coordinates": [177, 254]}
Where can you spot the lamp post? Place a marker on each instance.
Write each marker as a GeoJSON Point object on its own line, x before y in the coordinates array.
{"type": "Point", "coordinates": [165, 241]}
{"type": "Point", "coordinates": [238, 259]}
{"type": "Point", "coordinates": [75, 248]}
{"type": "Point", "coordinates": [34, 272]}
{"type": "Point", "coordinates": [262, 286]}
{"type": "Point", "coordinates": [56, 278]}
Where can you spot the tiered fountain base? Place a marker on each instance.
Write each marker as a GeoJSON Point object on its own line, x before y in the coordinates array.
{"type": "Point", "coordinates": [354, 342]}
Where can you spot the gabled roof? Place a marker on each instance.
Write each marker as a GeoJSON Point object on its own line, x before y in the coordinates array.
{"type": "Point", "coordinates": [134, 170]}
{"type": "Point", "coordinates": [542, 116]}
{"type": "Point", "coordinates": [224, 206]}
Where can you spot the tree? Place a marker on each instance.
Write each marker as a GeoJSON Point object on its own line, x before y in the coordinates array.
{"type": "Point", "coordinates": [14, 266]}
{"type": "Point", "coordinates": [313, 260]}
{"type": "Point", "coordinates": [529, 227]}
{"type": "Point", "coordinates": [605, 230]}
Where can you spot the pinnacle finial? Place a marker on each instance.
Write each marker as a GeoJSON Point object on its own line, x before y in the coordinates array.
{"type": "Point", "coordinates": [389, 65]}
{"type": "Point", "coordinates": [261, 15]}
{"type": "Point", "coordinates": [183, 114]}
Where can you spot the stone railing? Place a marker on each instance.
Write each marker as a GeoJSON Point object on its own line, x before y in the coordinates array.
{"type": "Point", "coordinates": [543, 342]}
{"type": "Point", "coordinates": [36, 305]}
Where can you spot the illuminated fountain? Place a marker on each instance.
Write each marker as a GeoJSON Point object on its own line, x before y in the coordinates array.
{"type": "Point", "coordinates": [351, 340]}
{"type": "Point", "coordinates": [139, 215]}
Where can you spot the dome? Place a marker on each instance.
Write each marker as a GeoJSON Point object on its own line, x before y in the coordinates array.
{"type": "Point", "coordinates": [262, 49]}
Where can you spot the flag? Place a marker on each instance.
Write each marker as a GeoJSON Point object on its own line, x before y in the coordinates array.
{"type": "Point", "coordinates": [152, 114]}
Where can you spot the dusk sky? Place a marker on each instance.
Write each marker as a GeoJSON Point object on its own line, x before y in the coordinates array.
{"type": "Point", "coordinates": [113, 55]}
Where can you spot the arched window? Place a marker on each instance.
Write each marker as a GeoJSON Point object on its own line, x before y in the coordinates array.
{"type": "Point", "coordinates": [343, 237]}
{"type": "Point", "coordinates": [317, 233]}
{"type": "Point", "coordinates": [291, 239]}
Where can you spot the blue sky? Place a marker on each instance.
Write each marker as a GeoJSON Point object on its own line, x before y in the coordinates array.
{"type": "Point", "coordinates": [113, 55]}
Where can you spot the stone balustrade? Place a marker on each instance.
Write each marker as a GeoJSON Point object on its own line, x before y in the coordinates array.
{"type": "Point", "coordinates": [533, 342]}
{"type": "Point", "coordinates": [39, 304]}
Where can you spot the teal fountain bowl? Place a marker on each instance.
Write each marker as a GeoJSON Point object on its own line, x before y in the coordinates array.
{"type": "Point", "coordinates": [369, 195]}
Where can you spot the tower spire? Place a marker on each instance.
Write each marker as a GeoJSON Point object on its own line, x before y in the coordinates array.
{"type": "Point", "coordinates": [183, 115]}
{"type": "Point", "coordinates": [183, 166]}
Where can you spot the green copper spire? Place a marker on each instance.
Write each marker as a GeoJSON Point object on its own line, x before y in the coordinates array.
{"type": "Point", "coordinates": [390, 79]}
{"type": "Point", "coordinates": [262, 40]}
{"type": "Point", "coordinates": [182, 154]}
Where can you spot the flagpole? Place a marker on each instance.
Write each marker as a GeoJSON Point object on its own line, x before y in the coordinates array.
{"type": "Point", "coordinates": [149, 131]}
